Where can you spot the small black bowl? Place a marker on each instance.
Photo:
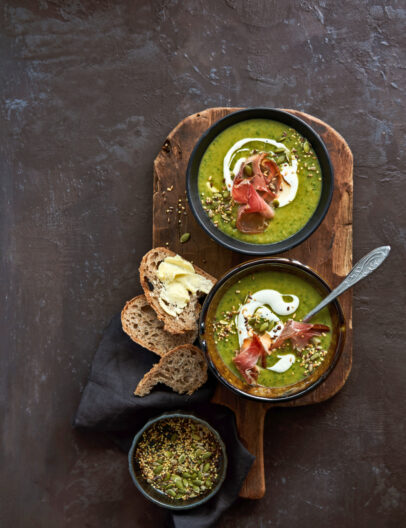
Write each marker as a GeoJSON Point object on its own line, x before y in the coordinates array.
{"type": "Point", "coordinates": [326, 171]}
{"type": "Point", "coordinates": [153, 494]}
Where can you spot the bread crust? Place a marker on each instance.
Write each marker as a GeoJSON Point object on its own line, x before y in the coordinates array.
{"type": "Point", "coordinates": [140, 323]}
{"type": "Point", "coordinates": [172, 371]}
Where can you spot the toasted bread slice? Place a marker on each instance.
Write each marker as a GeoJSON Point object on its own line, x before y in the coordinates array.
{"type": "Point", "coordinates": [186, 321]}
{"type": "Point", "coordinates": [140, 322]}
{"type": "Point", "coordinates": [183, 369]}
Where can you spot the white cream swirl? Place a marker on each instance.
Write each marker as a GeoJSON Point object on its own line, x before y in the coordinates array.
{"type": "Point", "coordinates": [257, 304]}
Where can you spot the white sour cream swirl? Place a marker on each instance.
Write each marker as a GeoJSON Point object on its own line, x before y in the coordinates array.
{"type": "Point", "coordinates": [284, 363]}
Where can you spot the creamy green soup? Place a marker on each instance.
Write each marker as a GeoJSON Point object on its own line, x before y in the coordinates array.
{"type": "Point", "coordinates": [290, 151]}
{"type": "Point", "coordinates": [226, 328]}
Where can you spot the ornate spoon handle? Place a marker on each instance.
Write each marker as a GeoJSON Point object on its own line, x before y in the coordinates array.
{"type": "Point", "coordinates": [362, 269]}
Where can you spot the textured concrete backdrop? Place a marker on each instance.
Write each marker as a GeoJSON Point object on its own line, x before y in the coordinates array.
{"type": "Point", "coordinates": [88, 92]}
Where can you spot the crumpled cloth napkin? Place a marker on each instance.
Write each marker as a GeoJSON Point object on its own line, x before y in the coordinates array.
{"type": "Point", "coordinates": [109, 406]}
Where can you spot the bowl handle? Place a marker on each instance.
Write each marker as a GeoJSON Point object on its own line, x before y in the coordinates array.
{"type": "Point", "coordinates": [250, 417]}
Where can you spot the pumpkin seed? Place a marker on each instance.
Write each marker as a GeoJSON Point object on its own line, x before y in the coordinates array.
{"type": "Point", "coordinates": [181, 459]}
{"type": "Point", "coordinates": [206, 455]}
{"type": "Point", "coordinates": [248, 170]}
{"type": "Point", "coordinates": [179, 484]}
{"type": "Point", "coordinates": [196, 489]}
{"type": "Point", "coordinates": [158, 469]}
{"type": "Point", "coordinates": [184, 238]}
{"type": "Point", "coordinates": [306, 146]}
{"type": "Point", "coordinates": [280, 159]}
{"type": "Point", "coordinates": [263, 327]}
{"type": "Point", "coordinates": [171, 492]}
{"type": "Point", "coordinates": [206, 466]}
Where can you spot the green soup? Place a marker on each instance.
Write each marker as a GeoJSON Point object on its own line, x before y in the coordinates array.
{"type": "Point", "coordinates": [226, 330]}
{"type": "Point", "coordinates": [215, 195]}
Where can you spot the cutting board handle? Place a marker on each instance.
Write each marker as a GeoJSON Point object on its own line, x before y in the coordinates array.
{"type": "Point", "coordinates": [250, 416]}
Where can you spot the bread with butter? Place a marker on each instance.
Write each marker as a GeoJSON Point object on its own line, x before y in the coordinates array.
{"type": "Point", "coordinates": [179, 321]}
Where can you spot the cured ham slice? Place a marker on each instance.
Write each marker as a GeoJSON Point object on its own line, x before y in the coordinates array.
{"type": "Point", "coordinates": [247, 358]}
{"type": "Point", "coordinates": [267, 176]}
{"type": "Point", "coordinates": [256, 204]}
{"type": "Point", "coordinates": [250, 223]}
{"type": "Point", "coordinates": [266, 342]}
{"type": "Point", "coordinates": [255, 191]}
{"type": "Point", "coordinates": [299, 333]}
{"type": "Point", "coordinates": [252, 217]}
{"type": "Point", "coordinates": [241, 191]}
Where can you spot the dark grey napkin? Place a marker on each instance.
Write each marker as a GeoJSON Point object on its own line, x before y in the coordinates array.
{"type": "Point", "coordinates": [108, 405]}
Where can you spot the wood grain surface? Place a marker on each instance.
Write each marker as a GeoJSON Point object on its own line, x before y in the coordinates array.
{"type": "Point", "coordinates": [328, 251]}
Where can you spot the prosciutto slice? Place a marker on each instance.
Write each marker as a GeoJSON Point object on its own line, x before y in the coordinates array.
{"type": "Point", "coordinates": [255, 191]}
{"type": "Point", "coordinates": [247, 358]}
{"type": "Point", "coordinates": [241, 191]}
{"type": "Point", "coordinates": [267, 177]}
{"type": "Point", "coordinates": [252, 223]}
{"type": "Point", "coordinates": [299, 333]}
{"type": "Point", "coordinates": [252, 216]}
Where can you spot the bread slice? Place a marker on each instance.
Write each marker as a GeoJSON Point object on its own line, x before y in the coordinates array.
{"type": "Point", "coordinates": [140, 322]}
{"type": "Point", "coordinates": [183, 369]}
{"type": "Point", "coordinates": [186, 321]}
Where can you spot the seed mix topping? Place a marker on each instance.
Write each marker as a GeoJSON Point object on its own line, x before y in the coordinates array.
{"type": "Point", "coordinates": [179, 457]}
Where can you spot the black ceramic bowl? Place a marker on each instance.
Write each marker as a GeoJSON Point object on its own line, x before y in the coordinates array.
{"type": "Point", "coordinates": [326, 170]}
{"type": "Point", "coordinates": [234, 382]}
{"type": "Point", "coordinates": [158, 497]}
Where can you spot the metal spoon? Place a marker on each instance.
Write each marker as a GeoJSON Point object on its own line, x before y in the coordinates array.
{"type": "Point", "coordinates": [362, 269]}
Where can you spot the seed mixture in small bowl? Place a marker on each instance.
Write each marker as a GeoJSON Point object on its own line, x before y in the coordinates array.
{"type": "Point", "coordinates": [178, 461]}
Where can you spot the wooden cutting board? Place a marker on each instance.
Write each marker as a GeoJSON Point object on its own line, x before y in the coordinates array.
{"type": "Point", "coordinates": [328, 251]}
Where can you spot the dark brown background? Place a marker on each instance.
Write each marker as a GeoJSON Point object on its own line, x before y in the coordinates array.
{"type": "Point", "coordinates": [89, 91]}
